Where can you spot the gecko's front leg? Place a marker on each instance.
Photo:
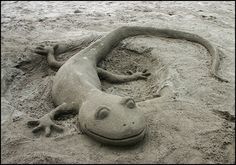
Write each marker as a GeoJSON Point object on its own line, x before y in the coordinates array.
{"type": "Point", "coordinates": [46, 122]}
{"type": "Point", "coordinates": [49, 51]}
{"type": "Point", "coordinates": [115, 78]}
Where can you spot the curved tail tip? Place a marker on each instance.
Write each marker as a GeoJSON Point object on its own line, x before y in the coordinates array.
{"type": "Point", "coordinates": [220, 78]}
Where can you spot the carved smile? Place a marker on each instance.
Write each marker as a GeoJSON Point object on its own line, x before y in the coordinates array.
{"type": "Point", "coordinates": [133, 138]}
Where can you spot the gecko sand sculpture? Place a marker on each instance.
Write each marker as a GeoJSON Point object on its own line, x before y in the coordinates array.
{"type": "Point", "coordinates": [107, 118]}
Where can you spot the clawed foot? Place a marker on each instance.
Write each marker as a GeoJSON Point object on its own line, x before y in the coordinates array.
{"type": "Point", "coordinates": [45, 123]}
{"type": "Point", "coordinates": [45, 50]}
{"type": "Point", "coordinates": [140, 75]}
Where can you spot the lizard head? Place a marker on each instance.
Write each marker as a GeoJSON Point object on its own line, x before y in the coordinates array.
{"type": "Point", "coordinates": [112, 120]}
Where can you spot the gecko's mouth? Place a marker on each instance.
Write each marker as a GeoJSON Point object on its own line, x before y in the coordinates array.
{"type": "Point", "coordinates": [121, 141]}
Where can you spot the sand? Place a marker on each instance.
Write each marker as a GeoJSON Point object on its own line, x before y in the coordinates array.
{"type": "Point", "coordinates": [193, 121]}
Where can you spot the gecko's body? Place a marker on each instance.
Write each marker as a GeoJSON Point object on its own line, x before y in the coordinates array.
{"type": "Point", "coordinates": [77, 88]}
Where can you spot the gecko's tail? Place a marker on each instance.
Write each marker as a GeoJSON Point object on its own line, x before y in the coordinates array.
{"type": "Point", "coordinates": [136, 30]}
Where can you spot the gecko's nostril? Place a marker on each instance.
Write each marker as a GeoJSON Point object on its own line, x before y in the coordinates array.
{"type": "Point", "coordinates": [132, 122]}
{"type": "Point", "coordinates": [124, 124]}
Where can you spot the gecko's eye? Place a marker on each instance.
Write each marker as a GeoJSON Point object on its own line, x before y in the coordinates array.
{"type": "Point", "coordinates": [102, 113]}
{"type": "Point", "coordinates": [129, 102]}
